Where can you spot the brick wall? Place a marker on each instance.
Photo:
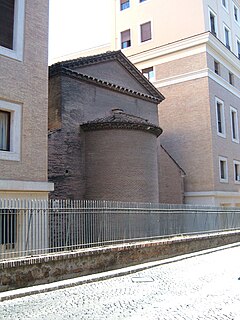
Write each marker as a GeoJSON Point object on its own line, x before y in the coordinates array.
{"type": "Point", "coordinates": [26, 83]}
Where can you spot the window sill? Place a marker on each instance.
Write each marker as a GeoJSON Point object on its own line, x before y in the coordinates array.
{"type": "Point", "coordinates": [10, 156]}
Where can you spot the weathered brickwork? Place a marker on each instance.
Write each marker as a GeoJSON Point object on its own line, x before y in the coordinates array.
{"type": "Point", "coordinates": [113, 164]}
{"type": "Point", "coordinates": [120, 165]}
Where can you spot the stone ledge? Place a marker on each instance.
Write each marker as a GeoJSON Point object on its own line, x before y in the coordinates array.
{"type": "Point", "coordinates": [29, 271]}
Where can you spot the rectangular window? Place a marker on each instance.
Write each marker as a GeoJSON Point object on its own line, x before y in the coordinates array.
{"type": "Point", "coordinates": [216, 67]}
{"type": "Point", "coordinates": [220, 118]}
{"type": "Point", "coordinates": [146, 33]}
{"type": "Point", "coordinates": [6, 23]}
{"type": "Point", "coordinates": [231, 78]}
{"type": "Point", "coordinates": [234, 124]}
{"type": "Point", "coordinates": [8, 225]}
{"type": "Point", "coordinates": [148, 73]}
{"type": "Point", "coordinates": [223, 169]}
{"type": "Point", "coordinates": [238, 49]}
{"type": "Point", "coordinates": [236, 165]}
{"type": "Point", "coordinates": [125, 39]}
{"type": "Point", "coordinates": [12, 15]}
{"type": "Point", "coordinates": [124, 4]}
{"type": "Point", "coordinates": [236, 13]}
{"type": "Point", "coordinates": [225, 4]}
{"type": "Point", "coordinates": [227, 37]}
{"type": "Point", "coordinates": [212, 18]}
{"type": "Point", "coordinates": [10, 130]}
{"type": "Point", "coordinates": [5, 130]}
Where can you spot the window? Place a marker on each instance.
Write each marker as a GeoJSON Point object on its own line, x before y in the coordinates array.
{"type": "Point", "coordinates": [225, 4]}
{"type": "Point", "coordinates": [220, 118]}
{"type": "Point", "coordinates": [234, 124]}
{"type": "Point", "coordinates": [12, 28]}
{"type": "Point", "coordinates": [148, 73]}
{"type": "Point", "coordinates": [8, 224]}
{"type": "Point", "coordinates": [124, 4]}
{"type": "Point", "coordinates": [236, 166]}
{"type": "Point", "coordinates": [5, 130]}
{"type": "Point", "coordinates": [231, 78]}
{"type": "Point", "coordinates": [212, 18]}
{"type": "Point", "coordinates": [125, 39]}
{"type": "Point", "coordinates": [236, 13]}
{"type": "Point", "coordinates": [238, 49]}
{"type": "Point", "coordinates": [10, 130]}
{"type": "Point", "coordinates": [146, 33]}
{"type": "Point", "coordinates": [216, 67]}
{"type": "Point", "coordinates": [227, 37]}
{"type": "Point", "coordinates": [223, 169]}
{"type": "Point", "coordinates": [6, 23]}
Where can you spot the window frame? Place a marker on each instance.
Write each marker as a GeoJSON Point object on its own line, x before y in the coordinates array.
{"type": "Point", "coordinates": [225, 161]}
{"type": "Point", "coordinates": [236, 176]}
{"type": "Point", "coordinates": [122, 7]}
{"type": "Point", "coordinates": [231, 78]}
{"type": "Point", "coordinates": [140, 35]}
{"type": "Point", "coordinates": [238, 47]}
{"type": "Point", "coordinates": [7, 141]}
{"type": "Point", "coordinates": [235, 8]}
{"type": "Point", "coordinates": [226, 6]}
{"type": "Point", "coordinates": [15, 130]}
{"type": "Point", "coordinates": [211, 12]}
{"type": "Point", "coordinates": [234, 111]}
{"type": "Point", "coordinates": [217, 70]}
{"type": "Point", "coordinates": [121, 42]}
{"type": "Point", "coordinates": [222, 114]}
{"type": "Point", "coordinates": [148, 73]}
{"type": "Point", "coordinates": [226, 28]}
{"type": "Point", "coordinates": [18, 33]}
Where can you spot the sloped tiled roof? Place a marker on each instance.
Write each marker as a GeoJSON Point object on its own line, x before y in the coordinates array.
{"type": "Point", "coordinates": [67, 68]}
{"type": "Point", "coordinates": [121, 120]}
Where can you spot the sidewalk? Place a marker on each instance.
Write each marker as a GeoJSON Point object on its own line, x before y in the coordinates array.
{"type": "Point", "coordinates": [203, 286]}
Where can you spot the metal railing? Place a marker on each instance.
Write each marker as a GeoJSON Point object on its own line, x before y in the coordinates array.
{"type": "Point", "coordinates": [40, 227]}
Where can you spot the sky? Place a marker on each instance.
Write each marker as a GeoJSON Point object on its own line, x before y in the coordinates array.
{"type": "Point", "coordinates": [75, 25]}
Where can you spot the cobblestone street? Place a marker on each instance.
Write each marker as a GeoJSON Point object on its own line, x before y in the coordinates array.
{"type": "Point", "coordinates": [201, 287]}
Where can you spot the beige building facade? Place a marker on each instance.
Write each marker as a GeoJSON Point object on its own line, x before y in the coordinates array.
{"type": "Point", "coordinates": [23, 99]}
{"type": "Point", "coordinates": [190, 51]}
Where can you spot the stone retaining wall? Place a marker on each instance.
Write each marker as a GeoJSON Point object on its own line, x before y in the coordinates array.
{"type": "Point", "coordinates": [43, 269]}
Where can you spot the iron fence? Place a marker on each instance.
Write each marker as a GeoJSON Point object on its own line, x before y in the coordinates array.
{"type": "Point", "coordinates": [40, 227]}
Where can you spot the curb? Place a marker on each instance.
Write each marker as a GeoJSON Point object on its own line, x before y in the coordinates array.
{"type": "Point", "coordinates": [23, 292]}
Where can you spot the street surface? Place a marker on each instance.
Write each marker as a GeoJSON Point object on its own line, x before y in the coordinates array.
{"type": "Point", "coordinates": [204, 287]}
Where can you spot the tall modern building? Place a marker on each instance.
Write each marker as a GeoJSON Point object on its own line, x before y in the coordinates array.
{"type": "Point", "coordinates": [23, 99]}
{"type": "Point", "coordinates": [190, 50]}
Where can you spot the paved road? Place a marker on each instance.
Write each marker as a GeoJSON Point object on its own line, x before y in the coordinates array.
{"type": "Point", "coordinates": [204, 287]}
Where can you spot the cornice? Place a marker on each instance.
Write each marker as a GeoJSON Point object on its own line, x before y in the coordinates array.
{"type": "Point", "coordinates": [60, 70]}
{"type": "Point", "coordinates": [109, 56]}
{"type": "Point", "coordinates": [121, 120]}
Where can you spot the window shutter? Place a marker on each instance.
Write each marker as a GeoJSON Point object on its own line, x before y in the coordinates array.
{"type": "Point", "coordinates": [146, 31]}
{"type": "Point", "coordinates": [125, 35]}
{"type": "Point", "coordinates": [6, 23]}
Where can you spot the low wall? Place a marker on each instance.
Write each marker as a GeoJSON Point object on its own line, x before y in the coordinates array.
{"type": "Point", "coordinates": [43, 269]}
